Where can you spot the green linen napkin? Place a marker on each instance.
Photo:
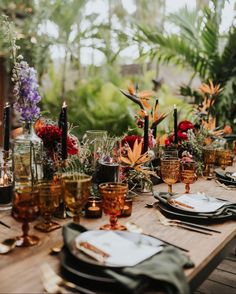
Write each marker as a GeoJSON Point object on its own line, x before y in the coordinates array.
{"type": "Point", "coordinates": [164, 269]}
{"type": "Point", "coordinates": [227, 209]}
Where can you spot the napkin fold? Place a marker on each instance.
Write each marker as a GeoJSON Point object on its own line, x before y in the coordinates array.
{"type": "Point", "coordinates": [164, 269]}
{"type": "Point", "coordinates": [227, 209]}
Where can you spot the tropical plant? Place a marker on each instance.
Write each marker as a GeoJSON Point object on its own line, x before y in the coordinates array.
{"type": "Point", "coordinates": [200, 45]}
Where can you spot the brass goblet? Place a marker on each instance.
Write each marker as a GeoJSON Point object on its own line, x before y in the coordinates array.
{"type": "Point", "coordinates": [76, 190]}
{"type": "Point", "coordinates": [48, 201]}
{"type": "Point", "coordinates": [209, 158]}
{"type": "Point", "coordinates": [25, 209]}
{"type": "Point", "coordinates": [113, 195]}
{"type": "Point", "coordinates": [188, 174]}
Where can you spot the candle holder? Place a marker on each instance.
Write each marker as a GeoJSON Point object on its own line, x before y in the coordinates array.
{"type": "Point", "coordinates": [106, 172]}
{"type": "Point", "coordinates": [127, 210]}
{"type": "Point", "coordinates": [5, 184]}
{"type": "Point", "coordinates": [93, 208]}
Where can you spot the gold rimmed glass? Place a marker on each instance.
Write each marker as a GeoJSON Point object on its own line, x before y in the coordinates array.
{"type": "Point", "coordinates": [48, 202]}
{"type": "Point", "coordinates": [76, 190]}
{"type": "Point", "coordinates": [170, 168]}
{"type": "Point", "coordinates": [113, 196]}
{"type": "Point", "coordinates": [188, 174]}
{"type": "Point", "coordinates": [25, 210]}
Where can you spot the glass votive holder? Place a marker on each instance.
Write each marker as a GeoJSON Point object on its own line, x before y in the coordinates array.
{"type": "Point", "coordinates": [127, 210]}
{"type": "Point", "coordinates": [93, 208]}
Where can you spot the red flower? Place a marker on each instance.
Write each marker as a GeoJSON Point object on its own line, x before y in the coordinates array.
{"type": "Point", "coordinates": [130, 140]}
{"type": "Point", "coordinates": [182, 136]}
{"type": "Point", "coordinates": [72, 146]}
{"type": "Point", "coordinates": [51, 137]}
{"type": "Point", "coordinates": [185, 125]}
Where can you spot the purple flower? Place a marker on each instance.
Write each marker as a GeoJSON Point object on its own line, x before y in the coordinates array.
{"type": "Point", "coordinates": [26, 91]}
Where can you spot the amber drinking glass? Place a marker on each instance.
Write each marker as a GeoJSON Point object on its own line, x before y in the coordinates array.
{"type": "Point", "coordinates": [76, 190]}
{"type": "Point", "coordinates": [188, 174]}
{"type": "Point", "coordinates": [113, 195]}
{"type": "Point", "coordinates": [170, 168]}
{"type": "Point", "coordinates": [224, 158]}
{"type": "Point", "coordinates": [48, 202]}
{"type": "Point", "coordinates": [25, 209]}
{"type": "Point", "coordinates": [209, 158]}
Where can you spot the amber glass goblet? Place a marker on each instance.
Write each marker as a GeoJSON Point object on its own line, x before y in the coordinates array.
{"type": "Point", "coordinates": [209, 158]}
{"type": "Point", "coordinates": [188, 174]}
{"type": "Point", "coordinates": [25, 209]}
{"type": "Point", "coordinates": [48, 202]}
{"type": "Point", "coordinates": [170, 166]}
{"type": "Point", "coordinates": [224, 158]}
{"type": "Point", "coordinates": [113, 195]}
{"type": "Point", "coordinates": [76, 190]}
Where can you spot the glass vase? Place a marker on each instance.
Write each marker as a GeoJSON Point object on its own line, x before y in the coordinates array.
{"type": "Point", "coordinates": [27, 157]}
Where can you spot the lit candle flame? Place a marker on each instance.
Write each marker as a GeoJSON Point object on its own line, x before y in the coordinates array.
{"type": "Point", "coordinates": [93, 203]}
{"type": "Point", "coordinates": [64, 104]}
{"type": "Point", "coordinates": [7, 104]}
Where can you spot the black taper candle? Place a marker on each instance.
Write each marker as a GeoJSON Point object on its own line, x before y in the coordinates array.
{"type": "Point", "coordinates": [146, 131]}
{"type": "Point", "coordinates": [154, 130]}
{"type": "Point", "coordinates": [64, 133]}
{"type": "Point", "coordinates": [60, 119]}
{"type": "Point", "coordinates": [175, 125]}
{"type": "Point", "coordinates": [6, 123]}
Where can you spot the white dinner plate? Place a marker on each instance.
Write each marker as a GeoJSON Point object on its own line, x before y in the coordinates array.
{"type": "Point", "coordinates": [196, 203]}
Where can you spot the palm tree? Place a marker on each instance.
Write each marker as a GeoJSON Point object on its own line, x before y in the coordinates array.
{"type": "Point", "coordinates": [200, 45]}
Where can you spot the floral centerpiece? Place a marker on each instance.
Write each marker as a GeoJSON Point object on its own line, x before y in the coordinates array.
{"type": "Point", "coordinates": [51, 135]}
{"type": "Point", "coordinates": [133, 162]}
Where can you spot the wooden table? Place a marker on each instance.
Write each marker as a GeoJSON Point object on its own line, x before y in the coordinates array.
{"type": "Point", "coordinates": [20, 269]}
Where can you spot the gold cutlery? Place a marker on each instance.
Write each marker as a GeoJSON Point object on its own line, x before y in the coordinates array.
{"type": "Point", "coordinates": [7, 245]}
{"type": "Point", "coordinates": [53, 283]}
{"type": "Point", "coordinates": [166, 222]}
{"type": "Point", "coordinates": [5, 225]}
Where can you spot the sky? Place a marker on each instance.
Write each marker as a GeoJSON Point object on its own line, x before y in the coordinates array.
{"type": "Point", "coordinates": [99, 6]}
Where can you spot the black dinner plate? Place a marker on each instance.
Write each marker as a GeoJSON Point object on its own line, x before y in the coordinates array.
{"type": "Point", "coordinates": [135, 237]}
{"type": "Point", "coordinates": [223, 178]}
{"type": "Point", "coordinates": [173, 213]}
{"type": "Point", "coordinates": [89, 277]}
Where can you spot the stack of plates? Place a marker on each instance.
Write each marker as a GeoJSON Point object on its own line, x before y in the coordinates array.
{"type": "Point", "coordinates": [90, 274]}
{"type": "Point", "coordinates": [198, 208]}
{"type": "Point", "coordinates": [227, 178]}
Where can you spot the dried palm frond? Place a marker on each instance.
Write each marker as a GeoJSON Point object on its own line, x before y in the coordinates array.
{"type": "Point", "coordinates": [134, 157]}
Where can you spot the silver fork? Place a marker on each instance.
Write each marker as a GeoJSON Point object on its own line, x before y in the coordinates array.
{"type": "Point", "coordinates": [55, 284]}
